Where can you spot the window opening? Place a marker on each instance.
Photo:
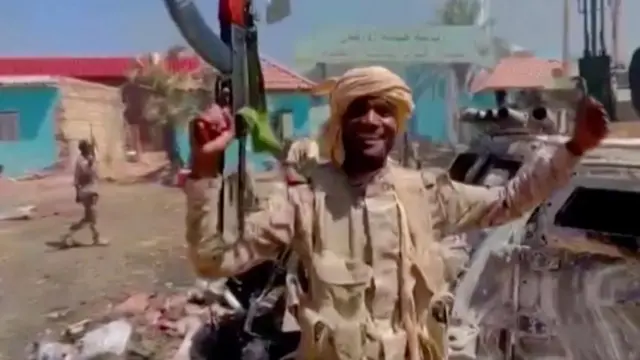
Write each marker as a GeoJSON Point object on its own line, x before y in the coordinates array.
{"type": "Point", "coordinates": [494, 171]}
{"type": "Point", "coordinates": [497, 171]}
{"type": "Point", "coordinates": [603, 212]}
{"type": "Point", "coordinates": [9, 126]}
{"type": "Point", "coordinates": [461, 165]}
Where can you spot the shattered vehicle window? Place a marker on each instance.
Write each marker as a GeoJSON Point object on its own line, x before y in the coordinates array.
{"type": "Point", "coordinates": [461, 165]}
{"type": "Point", "coordinates": [593, 210]}
{"type": "Point", "coordinates": [498, 171]}
{"type": "Point", "coordinates": [475, 169]}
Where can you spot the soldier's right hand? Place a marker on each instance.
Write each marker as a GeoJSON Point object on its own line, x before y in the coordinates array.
{"type": "Point", "coordinates": [592, 126]}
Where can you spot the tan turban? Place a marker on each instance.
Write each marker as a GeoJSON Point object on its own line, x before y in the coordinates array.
{"type": "Point", "coordinates": [365, 81]}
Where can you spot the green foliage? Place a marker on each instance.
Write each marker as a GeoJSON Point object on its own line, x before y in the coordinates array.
{"type": "Point", "coordinates": [459, 12]}
{"type": "Point", "coordinates": [171, 96]}
{"type": "Point", "coordinates": [466, 12]}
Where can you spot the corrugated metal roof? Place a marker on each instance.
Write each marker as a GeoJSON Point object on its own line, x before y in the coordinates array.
{"type": "Point", "coordinates": [277, 77]}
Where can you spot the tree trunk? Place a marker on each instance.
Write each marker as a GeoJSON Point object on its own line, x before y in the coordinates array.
{"type": "Point", "coordinates": [461, 71]}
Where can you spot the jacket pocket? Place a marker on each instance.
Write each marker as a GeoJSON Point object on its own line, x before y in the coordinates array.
{"type": "Point", "coordinates": [342, 283]}
{"type": "Point", "coordinates": [394, 347]}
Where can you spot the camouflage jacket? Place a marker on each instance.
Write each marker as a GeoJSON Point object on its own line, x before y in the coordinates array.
{"type": "Point", "coordinates": [85, 176]}
{"type": "Point", "coordinates": [376, 264]}
{"type": "Point", "coordinates": [302, 156]}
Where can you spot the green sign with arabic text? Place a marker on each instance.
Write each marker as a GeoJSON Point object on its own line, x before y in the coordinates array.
{"type": "Point", "coordinates": [424, 44]}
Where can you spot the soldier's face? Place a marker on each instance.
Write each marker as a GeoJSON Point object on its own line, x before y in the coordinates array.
{"type": "Point", "coordinates": [369, 128]}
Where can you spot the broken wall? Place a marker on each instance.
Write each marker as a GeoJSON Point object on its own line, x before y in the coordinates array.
{"type": "Point", "coordinates": [95, 112]}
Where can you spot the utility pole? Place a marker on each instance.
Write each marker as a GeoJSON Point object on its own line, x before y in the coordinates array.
{"type": "Point", "coordinates": [566, 61]}
{"type": "Point", "coordinates": [615, 29]}
{"type": "Point", "coordinates": [595, 64]}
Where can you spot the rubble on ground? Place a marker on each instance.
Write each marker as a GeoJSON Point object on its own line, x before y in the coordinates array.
{"type": "Point", "coordinates": [25, 212]}
{"type": "Point", "coordinates": [145, 326]}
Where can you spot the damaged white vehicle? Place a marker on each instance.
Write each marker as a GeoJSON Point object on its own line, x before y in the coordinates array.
{"type": "Point", "coordinates": [563, 281]}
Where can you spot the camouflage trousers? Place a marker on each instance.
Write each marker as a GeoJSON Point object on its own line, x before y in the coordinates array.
{"type": "Point", "coordinates": [201, 219]}
{"type": "Point", "coordinates": [202, 196]}
{"type": "Point", "coordinates": [88, 201]}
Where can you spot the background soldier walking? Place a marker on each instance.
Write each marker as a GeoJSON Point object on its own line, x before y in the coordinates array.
{"type": "Point", "coordinates": [85, 183]}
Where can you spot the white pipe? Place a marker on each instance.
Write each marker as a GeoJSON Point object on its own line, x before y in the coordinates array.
{"type": "Point", "coordinates": [609, 143]}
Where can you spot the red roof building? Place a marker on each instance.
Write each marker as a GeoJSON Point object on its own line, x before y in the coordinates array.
{"type": "Point", "coordinates": [113, 70]}
{"type": "Point", "coordinates": [519, 72]}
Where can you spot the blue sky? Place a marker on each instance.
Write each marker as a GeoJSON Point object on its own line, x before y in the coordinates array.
{"type": "Point", "coordinates": [117, 27]}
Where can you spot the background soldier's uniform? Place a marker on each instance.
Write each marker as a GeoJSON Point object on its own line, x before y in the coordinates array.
{"type": "Point", "coordinates": [85, 179]}
{"type": "Point", "coordinates": [202, 187]}
{"type": "Point", "coordinates": [377, 268]}
{"type": "Point", "coordinates": [202, 195]}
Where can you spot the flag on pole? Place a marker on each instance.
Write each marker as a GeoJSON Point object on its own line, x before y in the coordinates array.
{"type": "Point", "coordinates": [231, 11]}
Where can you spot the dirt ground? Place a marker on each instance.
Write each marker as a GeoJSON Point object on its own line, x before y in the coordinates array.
{"type": "Point", "coordinates": [144, 224]}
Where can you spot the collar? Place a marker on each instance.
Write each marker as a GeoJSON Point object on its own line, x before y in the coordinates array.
{"type": "Point", "coordinates": [381, 183]}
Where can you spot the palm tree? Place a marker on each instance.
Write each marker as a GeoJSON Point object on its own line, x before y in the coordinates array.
{"type": "Point", "coordinates": [460, 12]}
{"type": "Point", "coordinates": [467, 12]}
{"type": "Point", "coordinates": [169, 102]}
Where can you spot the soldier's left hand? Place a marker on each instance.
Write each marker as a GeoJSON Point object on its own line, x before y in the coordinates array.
{"type": "Point", "coordinates": [592, 126]}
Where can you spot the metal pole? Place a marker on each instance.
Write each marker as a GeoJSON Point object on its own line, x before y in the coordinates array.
{"type": "Point", "coordinates": [565, 38]}
{"type": "Point", "coordinates": [242, 129]}
{"type": "Point", "coordinates": [583, 9]}
{"type": "Point", "coordinates": [593, 11]}
{"type": "Point", "coordinates": [515, 299]}
{"type": "Point", "coordinates": [603, 45]}
{"type": "Point", "coordinates": [225, 36]}
{"type": "Point", "coordinates": [615, 27]}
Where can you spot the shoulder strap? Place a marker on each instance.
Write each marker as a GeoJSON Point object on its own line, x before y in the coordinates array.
{"type": "Point", "coordinates": [409, 315]}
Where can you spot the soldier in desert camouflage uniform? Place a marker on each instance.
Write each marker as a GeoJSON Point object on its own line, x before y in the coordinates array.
{"type": "Point", "coordinates": [85, 184]}
{"type": "Point", "coordinates": [369, 233]}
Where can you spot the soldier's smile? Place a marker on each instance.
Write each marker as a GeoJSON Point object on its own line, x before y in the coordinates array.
{"type": "Point", "coordinates": [369, 127]}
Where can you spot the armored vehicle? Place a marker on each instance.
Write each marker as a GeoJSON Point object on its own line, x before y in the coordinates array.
{"type": "Point", "coordinates": [563, 281]}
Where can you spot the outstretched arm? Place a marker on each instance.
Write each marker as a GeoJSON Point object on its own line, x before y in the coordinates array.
{"type": "Point", "coordinates": [465, 207]}
{"type": "Point", "coordinates": [267, 232]}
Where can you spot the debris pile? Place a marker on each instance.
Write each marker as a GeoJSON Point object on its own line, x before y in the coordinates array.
{"type": "Point", "coordinates": [25, 212]}
{"type": "Point", "coordinates": [143, 327]}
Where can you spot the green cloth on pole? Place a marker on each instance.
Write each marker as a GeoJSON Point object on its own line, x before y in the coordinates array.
{"type": "Point", "coordinates": [263, 139]}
